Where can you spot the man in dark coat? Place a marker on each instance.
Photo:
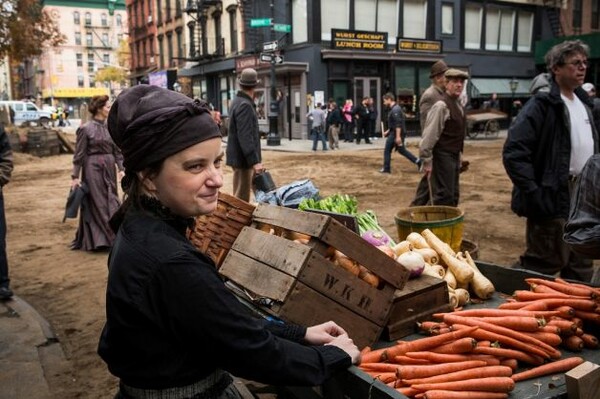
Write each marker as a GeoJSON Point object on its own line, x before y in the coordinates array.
{"type": "Point", "coordinates": [546, 148]}
{"type": "Point", "coordinates": [362, 121]}
{"type": "Point", "coordinates": [243, 143]}
{"type": "Point", "coordinates": [6, 167]}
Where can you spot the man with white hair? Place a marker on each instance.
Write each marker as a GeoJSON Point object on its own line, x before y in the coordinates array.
{"type": "Point", "coordinates": [547, 145]}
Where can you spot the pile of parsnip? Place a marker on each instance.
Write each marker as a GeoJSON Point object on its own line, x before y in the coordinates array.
{"type": "Point", "coordinates": [439, 260]}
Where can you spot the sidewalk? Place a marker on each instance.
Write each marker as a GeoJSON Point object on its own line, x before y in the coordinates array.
{"type": "Point", "coordinates": [28, 349]}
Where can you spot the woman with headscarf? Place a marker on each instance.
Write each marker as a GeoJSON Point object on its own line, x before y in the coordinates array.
{"type": "Point", "coordinates": [172, 327]}
{"type": "Point", "coordinates": [96, 160]}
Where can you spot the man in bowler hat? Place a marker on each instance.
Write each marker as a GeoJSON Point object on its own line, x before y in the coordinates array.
{"type": "Point", "coordinates": [243, 143]}
{"type": "Point", "coordinates": [435, 92]}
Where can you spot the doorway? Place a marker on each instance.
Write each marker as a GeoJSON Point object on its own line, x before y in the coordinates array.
{"type": "Point", "coordinates": [369, 87]}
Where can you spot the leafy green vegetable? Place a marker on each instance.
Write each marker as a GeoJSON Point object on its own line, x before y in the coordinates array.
{"type": "Point", "coordinates": [346, 205]}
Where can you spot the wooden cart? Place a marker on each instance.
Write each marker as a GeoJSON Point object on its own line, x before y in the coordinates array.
{"type": "Point", "coordinates": [484, 122]}
{"type": "Point", "coordinates": [355, 384]}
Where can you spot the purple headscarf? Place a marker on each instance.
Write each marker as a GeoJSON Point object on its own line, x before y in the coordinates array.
{"type": "Point", "coordinates": [149, 124]}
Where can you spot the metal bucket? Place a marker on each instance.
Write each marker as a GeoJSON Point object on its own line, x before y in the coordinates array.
{"type": "Point", "coordinates": [263, 182]}
{"type": "Point", "coordinates": [446, 222]}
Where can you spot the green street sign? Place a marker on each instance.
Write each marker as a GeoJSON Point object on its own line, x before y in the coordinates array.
{"type": "Point", "coordinates": [282, 28]}
{"type": "Point", "coordinates": [260, 23]}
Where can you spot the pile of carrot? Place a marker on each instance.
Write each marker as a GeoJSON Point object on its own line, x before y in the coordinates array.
{"type": "Point", "coordinates": [576, 307]}
{"type": "Point", "coordinates": [476, 352]}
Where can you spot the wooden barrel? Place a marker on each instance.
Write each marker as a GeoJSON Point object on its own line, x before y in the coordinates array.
{"type": "Point", "coordinates": [446, 222]}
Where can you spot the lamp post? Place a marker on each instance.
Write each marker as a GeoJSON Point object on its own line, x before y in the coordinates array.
{"type": "Point", "coordinates": [514, 84]}
{"type": "Point", "coordinates": [273, 138]}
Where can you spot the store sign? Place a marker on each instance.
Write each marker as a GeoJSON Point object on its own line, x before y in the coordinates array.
{"type": "Point", "coordinates": [358, 40]}
{"type": "Point", "coordinates": [419, 46]}
{"type": "Point", "coordinates": [242, 63]}
{"type": "Point", "coordinates": [75, 92]}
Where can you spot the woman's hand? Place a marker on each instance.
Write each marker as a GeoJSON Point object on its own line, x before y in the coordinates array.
{"type": "Point", "coordinates": [323, 333]}
{"type": "Point", "coordinates": [75, 182]}
{"type": "Point", "coordinates": [121, 174]}
{"type": "Point", "coordinates": [347, 345]}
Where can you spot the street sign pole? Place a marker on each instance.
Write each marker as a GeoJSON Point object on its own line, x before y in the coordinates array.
{"type": "Point", "coordinates": [273, 138]}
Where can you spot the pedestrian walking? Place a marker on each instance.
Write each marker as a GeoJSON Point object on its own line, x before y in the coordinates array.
{"type": "Point", "coordinates": [318, 133]}
{"type": "Point", "coordinates": [395, 134]}
{"type": "Point", "coordinates": [348, 125]}
{"type": "Point", "coordinates": [334, 121]}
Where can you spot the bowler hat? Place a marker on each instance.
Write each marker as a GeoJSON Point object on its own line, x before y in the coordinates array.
{"type": "Point", "coordinates": [248, 77]}
{"type": "Point", "coordinates": [456, 73]}
{"type": "Point", "coordinates": [438, 68]}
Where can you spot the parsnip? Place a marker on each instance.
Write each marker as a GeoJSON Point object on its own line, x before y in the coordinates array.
{"type": "Point", "coordinates": [480, 284]}
{"type": "Point", "coordinates": [434, 270]}
{"type": "Point", "coordinates": [462, 295]}
{"type": "Point", "coordinates": [429, 255]}
{"type": "Point", "coordinates": [402, 247]}
{"type": "Point", "coordinates": [417, 240]}
{"type": "Point", "coordinates": [461, 270]}
{"type": "Point", "coordinates": [450, 279]}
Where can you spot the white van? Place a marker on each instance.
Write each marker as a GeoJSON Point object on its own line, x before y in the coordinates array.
{"type": "Point", "coordinates": [26, 111]}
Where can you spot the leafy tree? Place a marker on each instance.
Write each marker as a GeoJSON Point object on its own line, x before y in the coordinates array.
{"type": "Point", "coordinates": [116, 73]}
{"type": "Point", "coordinates": [26, 28]}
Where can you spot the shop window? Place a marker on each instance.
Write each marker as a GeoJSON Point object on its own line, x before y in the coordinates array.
{"type": "Point", "coordinates": [595, 15]}
{"type": "Point", "coordinates": [500, 25]}
{"type": "Point", "coordinates": [335, 14]}
{"type": "Point", "coordinates": [223, 94]}
{"type": "Point", "coordinates": [447, 19]}
{"type": "Point", "coordinates": [525, 31]}
{"type": "Point", "coordinates": [414, 20]}
{"type": "Point", "coordinates": [473, 20]}
{"type": "Point", "coordinates": [299, 21]}
{"type": "Point", "coordinates": [259, 103]}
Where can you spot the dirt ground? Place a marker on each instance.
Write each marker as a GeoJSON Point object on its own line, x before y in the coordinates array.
{"type": "Point", "coordinates": [67, 287]}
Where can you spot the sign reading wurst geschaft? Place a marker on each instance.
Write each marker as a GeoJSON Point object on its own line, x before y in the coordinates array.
{"type": "Point", "coordinates": [358, 40]}
{"type": "Point", "coordinates": [419, 46]}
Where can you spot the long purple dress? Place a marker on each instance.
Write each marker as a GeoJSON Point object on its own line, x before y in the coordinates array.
{"type": "Point", "coordinates": [97, 158]}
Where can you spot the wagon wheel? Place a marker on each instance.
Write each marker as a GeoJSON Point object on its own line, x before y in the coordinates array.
{"type": "Point", "coordinates": [492, 127]}
{"type": "Point", "coordinates": [472, 131]}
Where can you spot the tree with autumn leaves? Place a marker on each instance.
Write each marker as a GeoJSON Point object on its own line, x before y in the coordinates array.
{"type": "Point", "coordinates": [26, 29]}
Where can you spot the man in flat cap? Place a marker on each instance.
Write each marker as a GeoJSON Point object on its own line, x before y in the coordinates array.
{"type": "Point", "coordinates": [442, 144]}
{"type": "Point", "coordinates": [243, 143]}
{"type": "Point", "coordinates": [434, 92]}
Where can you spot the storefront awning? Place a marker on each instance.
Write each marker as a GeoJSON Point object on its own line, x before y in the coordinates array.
{"type": "Point", "coordinates": [485, 87]}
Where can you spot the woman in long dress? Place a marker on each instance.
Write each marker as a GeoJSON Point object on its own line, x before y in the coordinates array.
{"type": "Point", "coordinates": [96, 160]}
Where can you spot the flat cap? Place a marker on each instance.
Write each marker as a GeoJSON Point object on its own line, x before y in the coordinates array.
{"type": "Point", "coordinates": [456, 73]}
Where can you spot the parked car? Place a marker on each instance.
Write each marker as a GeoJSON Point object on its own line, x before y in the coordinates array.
{"type": "Point", "coordinates": [25, 111]}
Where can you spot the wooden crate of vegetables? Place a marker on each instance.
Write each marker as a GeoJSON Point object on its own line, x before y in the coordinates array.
{"type": "Point", "coordinates": [307, 268]}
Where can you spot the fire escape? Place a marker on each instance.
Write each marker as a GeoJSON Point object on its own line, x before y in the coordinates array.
{"type": "Point", "coordinates": [554, 12]}
{"type": "Point", "coordinates": [199, 11]}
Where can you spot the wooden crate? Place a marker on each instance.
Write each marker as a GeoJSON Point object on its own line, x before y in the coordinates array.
{"type": "Point", "coordinates": [301, 284]}
{"type": "Point", "coordinates": [420, 298]}
{"type": "Point", "coordinates": [214, 234]}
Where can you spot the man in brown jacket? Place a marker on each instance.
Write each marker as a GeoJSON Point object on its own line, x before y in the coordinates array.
{"type": "Point", "coordinates": [434, 92]}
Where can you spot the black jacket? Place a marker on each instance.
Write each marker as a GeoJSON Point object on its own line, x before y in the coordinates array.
{"type": "Point", "coordinates": [243, 142]}
{"type": "Point", "coordinates": [537, 155]}
{"type": "Point", "coordinates": [170, 320]}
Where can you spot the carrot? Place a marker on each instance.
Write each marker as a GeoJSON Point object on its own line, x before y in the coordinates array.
{"type": "Point", "coordinates": [579, 332]}
{"type": "Point", "coordinates": [517, 305]}
{"type": "Point", "coordinates": [578, 321]}
{"type": "Point", "coordinates": [383, 377]}
{"type": "Point", "coordinates": [512, 363]}
{"type": "Point", "coordinates": [482, 334]}
{"type": "Point", "coordinates": [479, 372]}
{"type": "Point", "coordinates": [589, 341]}
{"type": "Point", "coordinates": [596, 290]}
{"type": "Point", "coordinates": [365, 350]}
{"type": "Point", "coordinates": [434, 357]}
{"type": "Point", "coordinates": [588, 316]}
{"type": "Point", "coordinates": [544, 289]}
{"type": "Point", "coordinates": [578, 304]}
{"type": "Point", "coordinates": [419, 371]}
{"type": "Point", "coordinates": [491, 312]}
{"type": "Point", "coordinates": [516, 322]}
{"type": "Point", "coordinates": [429, 325]}
{"type": "Point", "coordinates": [573, 343]}
{"type": "Point", "coordinates": [461, 345]}
{"type": "Point", "coordinates": [551, 339]}
{"type": "Point", "coordinates": [559, 366]}
{"type": "Point", "coordinates": [403, 359]}
{"type": "Point", "coordinates": [566, 312]}
{"type": "Point", "coordinates": [535, 305]}
{"type": "Point", "coordinates": [507, 332]}
{"type": "Point", "coordinates": [565, 326]}
{"type": "Point", "coordinates": [524, 295]}
{"type": "Point", "coordinates": [489, 384]}
{"type": "Point", "coordinates": [550, 329]}
{"type": "Point", "coordinates": [510, 353]}
{"type": "Point", "coordinates": [445, 394]}
{"type": "Point", "coordinates": [379, 367]}
{"type": "Point", "coordinates": [385, 354]}
{"type": "Point", "coordinates": [565, 287]}
{"type": "Point", "coordinates": [407, 391]}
